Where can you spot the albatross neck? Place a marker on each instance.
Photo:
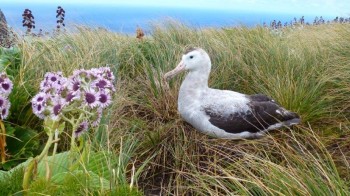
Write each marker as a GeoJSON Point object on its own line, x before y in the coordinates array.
{"type": "Point", "coordinates": [196, 80]}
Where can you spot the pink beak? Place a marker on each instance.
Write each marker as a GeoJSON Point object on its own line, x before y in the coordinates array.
{"type": "Point", "coordinates": [178, 69]}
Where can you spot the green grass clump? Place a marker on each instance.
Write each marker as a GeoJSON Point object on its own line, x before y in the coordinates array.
{"type": "Point", "coordinates": [305, 70]}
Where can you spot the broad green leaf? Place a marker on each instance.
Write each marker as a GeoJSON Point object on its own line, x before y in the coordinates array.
{"type": "Point", "coordinates": [58, 164]}
{"type": "Point", "coordinates": [3, 175]}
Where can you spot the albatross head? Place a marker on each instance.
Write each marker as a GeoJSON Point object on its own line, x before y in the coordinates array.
{"type": "Point", "coordinates": [193, 60]}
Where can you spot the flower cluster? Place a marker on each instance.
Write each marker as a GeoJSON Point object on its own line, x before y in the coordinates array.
{"type": "Point", "coordinates": [60, 16]}
{"type": "Point", "coordinates": [86, 91]}
{"type": "Point", "coordinates": [5, 89]}
{"type": "Point", "coordinates": [28, 20]}
{"type": "Point", "coordinates": [49, 101]}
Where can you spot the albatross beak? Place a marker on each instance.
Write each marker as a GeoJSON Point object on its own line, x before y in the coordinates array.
{"type": "Point", "coordinates": [178, 69]}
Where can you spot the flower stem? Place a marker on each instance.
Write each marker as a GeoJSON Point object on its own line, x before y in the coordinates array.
{"type": "Point", "coordinates": [2, 142]}
{"type": "Point", "coordinates": [68, 120]}
{"type": "Point", "coordinates": [73, 147]}
{"type": "Point", "coordinates": [55, 143]}
{"type": "Point", "coordinates": [72, 139]}
{"type": "Point", "coordinates": [48, 165]}
{"type": "Point", "coordinates": [48, 169]}
{"type": "Point", "coordinates": [28, 171]}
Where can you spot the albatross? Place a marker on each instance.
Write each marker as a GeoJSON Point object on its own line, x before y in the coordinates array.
{"type": "Point", "coordinates": [223, 113]}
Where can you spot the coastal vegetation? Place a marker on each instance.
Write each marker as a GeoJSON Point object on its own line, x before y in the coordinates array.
{"type": "Point", "coordinates": [142, 147]}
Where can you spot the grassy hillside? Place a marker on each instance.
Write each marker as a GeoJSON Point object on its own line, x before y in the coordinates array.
{"type": "Point", "coordinates": [305, 69]}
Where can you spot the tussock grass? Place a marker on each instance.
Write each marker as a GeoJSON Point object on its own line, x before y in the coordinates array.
{"type": "Point", "coordinates": [306, 70]}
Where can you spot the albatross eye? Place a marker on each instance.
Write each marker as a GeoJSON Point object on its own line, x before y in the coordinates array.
{"type": "Point", "coordinates": [191, 57]}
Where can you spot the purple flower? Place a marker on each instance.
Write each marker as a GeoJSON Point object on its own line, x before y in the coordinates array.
{"type": "Point", "coordinates": [83, 127]}
{"type": "Point", "coordinates": [57, 104]}
{"type": "Point", "coordinates": [49, 101]}
{"type": "Point", "coordinates": [52, 77]}
{"type": "Point", "coordinates": [95, 78]}
{"type": "Point", "coordinates": [5, 109]}
{"type": "Point", "coordinates": [57, 109]}
{"type": "Point", "coordinates": [39, 98]}
{"type": "Point", "coordinates": [106, 73]}
{"type": "Point", "coordinates": [73, 95]}
{"type": "Point", "coordinates": [91, 98]}
{"type": "Point", "coordinates": [74, 84]}
{"type": "Point", "coordinates": [6, 86]}
{"type": "Point", "coordinates": [53, 82]}
{"type": "Point", "coordinates": [101, 83]}
{"type": "Point", "coordinates": [70, 97]}
{"type": "Point", "coordinates": [90, 88]}
{"type": "Point", "coordinates": [4, 113]}
{"type": "Point", "coordinates": [104, 99]}
{"type": "Point", "coordinates": [97, 118]}
{"type": "Point", "coordinates": [81, 73]}
{"type": "Point", "coordinates": [2, 101]}
{"type": "Point", "coordinates": [38, 104]}
{"type": "Point", "coordinates": [38, 110]}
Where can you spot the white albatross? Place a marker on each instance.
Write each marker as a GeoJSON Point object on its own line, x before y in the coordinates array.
{"type": "Point", "coordinates": [224, 113]}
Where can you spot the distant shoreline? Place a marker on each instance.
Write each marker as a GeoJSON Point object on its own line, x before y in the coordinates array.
{"type": "Point", "coordinates": [126, 19]}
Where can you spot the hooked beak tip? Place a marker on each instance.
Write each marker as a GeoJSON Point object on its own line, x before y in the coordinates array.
{"type": "Point", "coordinates": [166, 77]}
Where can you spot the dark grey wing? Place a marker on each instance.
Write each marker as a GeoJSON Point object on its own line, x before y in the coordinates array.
{"type": "Point", "coordinates": [260, 117]}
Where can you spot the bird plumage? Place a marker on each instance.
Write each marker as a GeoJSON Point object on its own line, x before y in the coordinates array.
{"type": "Point", "coordinates": [223, 113]}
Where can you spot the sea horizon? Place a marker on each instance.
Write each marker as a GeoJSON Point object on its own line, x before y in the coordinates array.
{"type": "Point", "coordinates": [125, 19]}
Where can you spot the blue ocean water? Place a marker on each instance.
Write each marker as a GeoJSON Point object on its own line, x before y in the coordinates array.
{"type": "Point", "coordinates": [125, 19]}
